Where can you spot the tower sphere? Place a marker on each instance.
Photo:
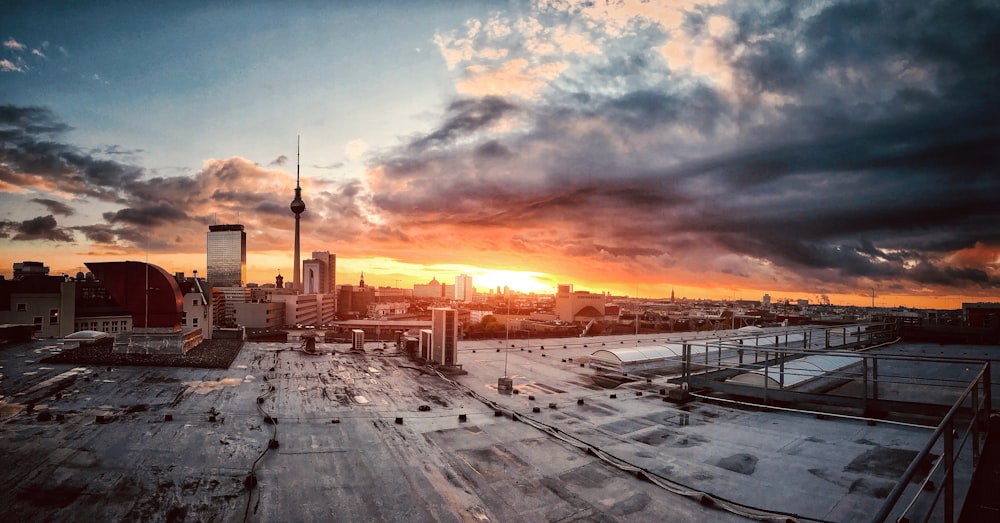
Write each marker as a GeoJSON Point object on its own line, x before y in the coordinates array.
{"type": "Point", "coordinates": [298, 206]}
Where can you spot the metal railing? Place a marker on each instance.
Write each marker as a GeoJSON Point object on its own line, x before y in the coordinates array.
{"type": "Point", "coordinates": [923, 503]}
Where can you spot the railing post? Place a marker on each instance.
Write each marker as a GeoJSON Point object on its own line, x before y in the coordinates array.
{"type": "Point", "coordinates": [686, 370]}
{"type": "Point", "coordinates": [949, 471]}
{"type": "Point", "coordinates": [864, 380]}
{"type": "Point", "coordinates": [781, 370]}
{"type": "Point", "coordinates": [766, 377]}
{"type": "Point", "coordinates": [975, 426]}
{"type": "Point", "coordinates": [875, 378]}
{"type": "Point", "coordinates": [987, 391]}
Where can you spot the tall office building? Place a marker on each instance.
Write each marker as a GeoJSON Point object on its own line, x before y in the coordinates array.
{"type": "Point", "coordinates": [463, 287]}
{"type": "Point", "coordinates": [227, 255]}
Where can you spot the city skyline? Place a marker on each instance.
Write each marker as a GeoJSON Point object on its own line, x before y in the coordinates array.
{"type": "Point", "coordinates": [719, 149]}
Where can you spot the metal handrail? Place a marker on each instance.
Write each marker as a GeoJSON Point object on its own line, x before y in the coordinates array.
{"type": "Point", "coordinates": [945, 429]}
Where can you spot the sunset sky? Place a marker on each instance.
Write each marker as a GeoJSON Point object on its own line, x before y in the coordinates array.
{"type": "Point", "coordinates": [719, 149]}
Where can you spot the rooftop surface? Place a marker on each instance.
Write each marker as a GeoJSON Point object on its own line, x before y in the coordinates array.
{"type": "Point", "coordinates": [282, 435]}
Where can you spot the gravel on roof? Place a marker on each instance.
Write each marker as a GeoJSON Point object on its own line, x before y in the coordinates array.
{"type": "Point", "coordinates": [209, 354]}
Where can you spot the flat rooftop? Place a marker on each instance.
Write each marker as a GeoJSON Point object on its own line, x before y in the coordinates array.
{"type": "Point", "coordinates": [282, 435]}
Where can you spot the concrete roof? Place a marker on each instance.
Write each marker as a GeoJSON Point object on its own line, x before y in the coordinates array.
{"type": "Point", "coordinates": [353, 442]}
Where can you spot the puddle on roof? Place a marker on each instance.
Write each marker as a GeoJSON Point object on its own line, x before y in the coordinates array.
{"type": "Point", "coordinates": [204, 387]}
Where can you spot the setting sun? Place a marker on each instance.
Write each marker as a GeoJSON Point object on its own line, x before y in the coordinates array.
{"type": "Point", "coordinates": [521, 281]}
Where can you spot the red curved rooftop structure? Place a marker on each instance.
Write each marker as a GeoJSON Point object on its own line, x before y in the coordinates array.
{"type": "Point", "coordinates": [126, 282]}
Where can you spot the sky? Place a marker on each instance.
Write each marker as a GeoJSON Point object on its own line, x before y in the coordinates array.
{"type": "Point", "coordinates": [821, 150]}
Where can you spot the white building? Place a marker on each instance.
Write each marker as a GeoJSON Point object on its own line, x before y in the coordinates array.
{"type": "Point", "coordinates": [463, 288]}
{"type": "Point", "coordinates": [319, 274]}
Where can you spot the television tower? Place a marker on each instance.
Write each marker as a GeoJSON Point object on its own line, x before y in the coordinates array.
{"type": "Point", "coordinates": [298, 207]}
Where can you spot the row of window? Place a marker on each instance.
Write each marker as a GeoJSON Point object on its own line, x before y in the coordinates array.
{"type": "Point", "coordinates": [104, 326]}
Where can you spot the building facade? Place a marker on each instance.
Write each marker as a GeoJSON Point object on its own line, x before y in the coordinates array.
{"type": "Point", "coordinates": [444, 336]}
{"type": "Point", "coordinates": [320, 275]}
{"type": "Point", "coordinates": [46, 302]}
{"type": "Point", "coordinates": [261, 315]}
{"type": "Point", "coordinates": [578, 306]}
{"type": "Point", "coordinates": [230, 296]}
{"type": "Point", "coordinates": [463, 288]}
{"type": "Point", "coordinates": [226, 255]}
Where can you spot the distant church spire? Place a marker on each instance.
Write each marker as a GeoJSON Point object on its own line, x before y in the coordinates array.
{"type": "Point", "coordinates": [362, 283]}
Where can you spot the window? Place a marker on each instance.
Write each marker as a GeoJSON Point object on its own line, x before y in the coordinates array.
{"type": "Point", "coordinates": [194, 322]}
{"type": "Point", "coordinates": [22, 307]}
{"type": "Point", "coordinates": [38, 323]}
{"type": "Point", "coordinates": [53, 316]}
{"type": "Point", "coordinates": [194, 302]}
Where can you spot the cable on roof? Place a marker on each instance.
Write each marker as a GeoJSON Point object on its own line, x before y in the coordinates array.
{"type": "Point", "coordinates": [669, 485]}
{"type": "Point", "coordinates": [251, 480]}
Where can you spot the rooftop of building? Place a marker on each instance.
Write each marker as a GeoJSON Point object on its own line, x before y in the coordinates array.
{"type": "Point", "coordinates": [282, 435]}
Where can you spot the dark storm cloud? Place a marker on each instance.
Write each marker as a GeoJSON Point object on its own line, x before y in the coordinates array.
{"type": "Point", "coordinates": [860, 141]}
{"type": "Point", "coordinates": [38, 228]}
{"type": "Point", "coordinates": [98, 233]}
{"type": "Point", "coordinates": [146, 215]}
{"type": "Point", "coordinates": [16, 121]}
{"type": "Point", "coordinates": [272, 208]}
{"type": "Point", "coordinates": [492, 149]}
{"type": "Point", "coordinates": [464, 117]}
{"type": "Point", "coordinates": [55, 207]}
{"type": "Point", "coordinates": [34, 157]}
{"type": "Point", "coordinates": [116, 150]}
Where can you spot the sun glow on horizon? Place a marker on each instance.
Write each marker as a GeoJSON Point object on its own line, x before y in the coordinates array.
{"type": "Point", "coordinates": [520, 281]}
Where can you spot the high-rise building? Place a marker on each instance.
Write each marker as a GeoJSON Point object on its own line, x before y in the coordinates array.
{"type": "Point", "coordinates": [463, 287]}
{"type": "Point", "coordinates": [227, 255]}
